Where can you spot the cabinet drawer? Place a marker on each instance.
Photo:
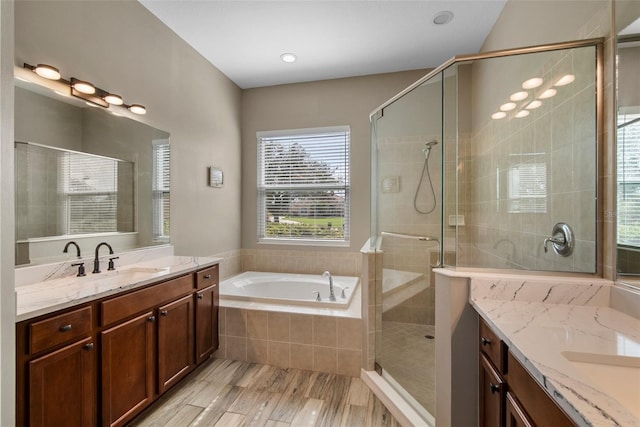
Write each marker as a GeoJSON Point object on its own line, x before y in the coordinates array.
{"type": "Point", "coordinates": [119, 308]}
{"type": "Point", "coordinates": [492, 346]}
{"type": "Point", "coordinates": [542, 410]}
{"type": "Point", "coordinates": [208, 277]}
{"type": "Point", "coordinates": [59, 329]}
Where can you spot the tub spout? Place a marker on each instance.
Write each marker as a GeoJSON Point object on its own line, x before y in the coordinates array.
{"type": "Point", "coordinates": [332, 296]}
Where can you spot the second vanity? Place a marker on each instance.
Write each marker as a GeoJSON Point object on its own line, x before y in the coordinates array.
{"type": "Point", "coordinates": [97, 350]}
{"type": "Point", "coordinates": [565, 355]}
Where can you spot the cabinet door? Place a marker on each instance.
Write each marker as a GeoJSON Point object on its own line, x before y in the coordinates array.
{"type": "Point", "coordinates": [206, 322]}
{"type": "Point", "coordinates": [516, 416]}
{"type": "Point", "coordinates": [62, 387]}
{"type": "Point", "coordinates": [492, 395]}
{"type": "Point", "coordinates": [175, 342]}
{"type": "Point", "coordinates": [128, 369]}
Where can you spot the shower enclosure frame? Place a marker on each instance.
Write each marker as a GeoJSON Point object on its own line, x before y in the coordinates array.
{"type": "Point", "coordinates": [375, 237]}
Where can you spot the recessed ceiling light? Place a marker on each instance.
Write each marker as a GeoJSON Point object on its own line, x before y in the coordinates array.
{"type": "Point", "coordinates": [565, 80]}
{"type": "Point", "coordinates": [499, 115]}
{"type": "Point", "coordinates": [507, 106]}
{"type": "Point", "coordinates": [443, 17]}
{"type": "Point", "coordinates": [288, 57]}
{"type": "Point", "coordinates": [519, 96]}
{"type": "Point", "coordinates": [532, 83]}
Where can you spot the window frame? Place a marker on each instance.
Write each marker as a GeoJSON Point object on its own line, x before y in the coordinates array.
{"type": "Point", "coordinates": [160, 195]}
{"type": "Point", "coordinates": [262, 188]}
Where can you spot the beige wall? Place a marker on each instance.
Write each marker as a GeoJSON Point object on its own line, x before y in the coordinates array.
{"type": "Point", "coordinates": [316, 104]}
{"type": "Point", "coordinates": [121, 47]}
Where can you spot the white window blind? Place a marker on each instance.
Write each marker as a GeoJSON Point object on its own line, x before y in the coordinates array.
{"type": "Point", "coordinates": [303, 186]}
{"type": "Point", "coordinates": [161, 189]}
{"type": "Point", "coordinates": [89, 185]}
{"type": "Point", "coordinates": [629, 179]}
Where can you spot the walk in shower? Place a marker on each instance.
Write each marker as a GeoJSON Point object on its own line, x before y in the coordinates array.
{"type": "Point", "coordinates": [473, 166]}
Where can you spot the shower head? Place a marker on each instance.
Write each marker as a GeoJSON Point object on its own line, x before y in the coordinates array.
{"type": "Point", "coordinates": [427, 147]}
{"type": "Point", "coordinates": [431, 144]}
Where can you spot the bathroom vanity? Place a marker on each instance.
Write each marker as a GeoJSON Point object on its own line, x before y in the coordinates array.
{"type": "Point", "coordinates": [102, 358]}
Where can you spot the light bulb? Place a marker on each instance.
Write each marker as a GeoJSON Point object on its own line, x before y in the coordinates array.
{"type": "Point", "coordinates": [532, 83]}
{"type": "Point", "coordinates": [47, 71]}
{"type": "Point", "coordinates": [84, 87]}
{"type": "Point", "coordinates": [138, 109]}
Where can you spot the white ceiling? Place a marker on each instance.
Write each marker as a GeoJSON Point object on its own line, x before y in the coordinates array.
{"type": "Point", "coordinates": [332, 39]}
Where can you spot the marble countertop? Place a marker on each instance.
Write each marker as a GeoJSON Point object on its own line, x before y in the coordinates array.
{"type": "Point", "coordinates": [55, 294]}
{"type": "Point", "coordinates": [547, 325]}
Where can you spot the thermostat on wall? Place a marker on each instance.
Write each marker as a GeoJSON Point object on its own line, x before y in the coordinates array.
{"type": "Point", "coordinates": [216, 177]}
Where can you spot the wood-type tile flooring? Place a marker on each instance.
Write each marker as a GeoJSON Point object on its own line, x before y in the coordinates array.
{"type": "Point", "coordinates": [225, 393]}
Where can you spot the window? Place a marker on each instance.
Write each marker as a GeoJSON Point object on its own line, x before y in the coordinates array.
{"type": "Point", "coordinates": [629, 180]}
{"type": "Point", "coordinates": [527, 188]}
{"type": "Point", "coordinates": [303, 186]}
{"type": "Point", "coordinates": [160, 189]}
{"type": "Point", "coordinates": [89, 187]}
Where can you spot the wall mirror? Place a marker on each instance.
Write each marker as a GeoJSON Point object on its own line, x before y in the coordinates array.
{"type": "Point", "coordinates": [87, 175]}
{"type": "Point", "coordinates": [628, 141]}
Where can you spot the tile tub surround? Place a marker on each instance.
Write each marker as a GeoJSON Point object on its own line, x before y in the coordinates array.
{"type": "Point", "coordinates": [62, 292]}
{"type": "Point", "coordinates": [540, 319]}
{"type": "Point", "coordinates": [313, 342]}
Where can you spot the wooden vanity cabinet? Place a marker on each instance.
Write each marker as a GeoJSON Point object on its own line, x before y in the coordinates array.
{"type": "Point", "coordinates": [128, 366]}
{"type": "Point", "coordinates": [103, 362]}
{"type": "Point", "coordinates": [56, 360]}
{"type": "Point", "coordinates": [508, 394]}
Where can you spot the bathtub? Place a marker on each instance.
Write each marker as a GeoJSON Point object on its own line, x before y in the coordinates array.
{"type": "Point", "coordinates": [286, 288]}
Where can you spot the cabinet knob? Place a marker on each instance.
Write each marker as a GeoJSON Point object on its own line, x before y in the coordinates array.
{"type": "Point", "coordinates": [200, 296]}
{"type": "Point", "coordinates": [485, 341]}
{"type": "Point", "coordinates": [151, 319]}
{"type": "Point", "coordinates": [65, 328]}
{"type": "Point", "coordinates": [207, 276]}
{"type": "Point", "coordinates": [494, 388]}
{"type": "Point", "coordinates": [88, 346]}
{"type": "Point", "coordinates": [164, 313]}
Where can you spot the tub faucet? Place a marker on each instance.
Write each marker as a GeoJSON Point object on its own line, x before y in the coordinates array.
{"type": "Point", "coordinates": [96, 261]}
{"type": "Point", "coordinates": [332, 296]}
{"type": "Point", "coordinates": [66, 248]}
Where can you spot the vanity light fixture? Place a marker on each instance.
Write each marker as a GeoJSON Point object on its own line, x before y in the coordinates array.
{"type": "Point", "coordinates": [565, 80]}
{"type": "Point", "coordinates": [507, 106]}
{"type": "Point", "coordinates": [499, 115]}
{"type": "Point", "coordinates": [82, 86]}
{"type": "Point", "coordinates": [522, 113]}
{"type": "Point", "coordinates": [548, 94]}
{"type": "Point", "coordinates": [532, 83]}
{"type": "Point", "coordinates": [137, 109]}
{"type": "Point", "coordinates": [47, 71]}
{"type": "Point", "coordinates": [84, 90]}
{"type": "Point", "coordinates": [519, 96]}
{"type": "Point", "coordinates": [533, 105]}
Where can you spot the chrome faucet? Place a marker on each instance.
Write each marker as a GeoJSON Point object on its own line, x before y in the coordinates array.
{"type": "Point", "coordinates": [332, 296]}
{"type": "Point", "coordinates": [66, 248]}
{"type": "Point", "coordinates": [96, 261]}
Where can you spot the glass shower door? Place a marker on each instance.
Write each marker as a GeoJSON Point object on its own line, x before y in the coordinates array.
{"type": "Point", "coordinates": [408, 162]}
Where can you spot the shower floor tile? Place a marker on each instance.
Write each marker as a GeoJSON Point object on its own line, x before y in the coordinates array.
{"type": "Point", "coordinates": [409, 358]}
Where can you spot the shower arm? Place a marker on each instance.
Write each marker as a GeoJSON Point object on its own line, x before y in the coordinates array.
{"type": "Point", "coordinates": [416, 237]}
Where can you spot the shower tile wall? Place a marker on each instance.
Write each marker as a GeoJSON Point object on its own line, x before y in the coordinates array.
{"type": "Point", "coordinates": [402, 159]}
{"type": "Point", "coordinates": [557, 143]}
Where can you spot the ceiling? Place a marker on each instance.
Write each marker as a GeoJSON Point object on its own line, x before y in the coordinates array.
{"type": "Point", "coordinates": [331, 39]}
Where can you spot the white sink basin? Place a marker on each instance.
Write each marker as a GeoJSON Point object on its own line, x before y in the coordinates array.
{"type": "Point", "coordinates": [617, 376]}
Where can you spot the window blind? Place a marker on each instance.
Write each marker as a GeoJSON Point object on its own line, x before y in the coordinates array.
{"type": "Point", "coordinates": [89, 185]}
{"type": "Point", "coordinates": [628, 178]}
{"type": "Point", "coordinates": [527, 188]}
{"type": "Point", "coordinates": [303, 185]}
{"type": "Point", "coordinates": [161, 189]}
